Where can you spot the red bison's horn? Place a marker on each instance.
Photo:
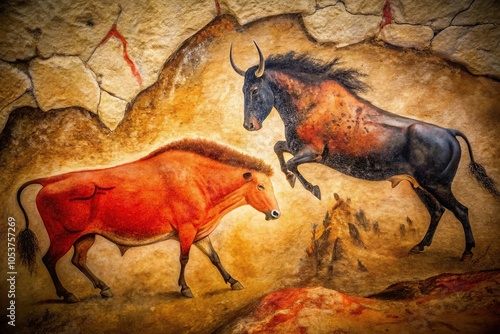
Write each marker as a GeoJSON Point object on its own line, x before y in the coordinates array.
{"type": "Point", "coordinates": [235, 68]}
{"type": "Point", "coordinates": [260, 69]}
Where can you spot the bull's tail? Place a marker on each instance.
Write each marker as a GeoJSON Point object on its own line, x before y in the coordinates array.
{"type": "Point", "coordinates": [477, 170]}
{"type": "Point", "coordinates": [27, 242]}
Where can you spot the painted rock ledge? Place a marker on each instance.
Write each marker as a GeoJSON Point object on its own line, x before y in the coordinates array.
{"type": "Point", "coordinates": [447, 303]}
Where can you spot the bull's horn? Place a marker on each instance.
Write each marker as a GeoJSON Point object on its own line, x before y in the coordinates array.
{"type": "Point", "coordinates": [260, 69]}
{"type": "Point", "coordinates": [236, 68]}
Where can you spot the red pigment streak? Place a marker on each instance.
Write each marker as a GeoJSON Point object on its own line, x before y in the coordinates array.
{"type": "Point", "coordinates": [114, 33]}
{"type": "Point", "coordinates": [217, 6]}
{"type": "Point", "coordinates": [387, 16]}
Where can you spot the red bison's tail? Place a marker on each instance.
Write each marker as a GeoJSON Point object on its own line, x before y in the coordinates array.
{"type": "Point", "coordinates": [27, 242]}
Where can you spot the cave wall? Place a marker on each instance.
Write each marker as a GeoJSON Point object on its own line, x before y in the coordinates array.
{"type": "Point", "coordinates": [93, 84]}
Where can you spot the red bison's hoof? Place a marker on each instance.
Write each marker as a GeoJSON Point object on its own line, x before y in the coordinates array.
{"type": "Point", "coordinates": [70, 299]}
{"type": "Point", "coordinates": [237, 286]}
{"type": "Point", "coordinates": [466, 257]}
{"type": "Point", "coordinates": [106, 293]}
{"type": "Point", "coordinates": [416, 250]}
{"type": "Point", "coordinates": [187, 293]}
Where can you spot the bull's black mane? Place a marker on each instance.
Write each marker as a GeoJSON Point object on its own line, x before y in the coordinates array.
{"type": "Point", "coordinates": [296, 65]}
{"type": "Point", "coordinates": [216, 152]}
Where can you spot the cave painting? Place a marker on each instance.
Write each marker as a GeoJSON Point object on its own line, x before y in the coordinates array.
{"type": "Point", "coordinates": [326, 122]}
{"type": "Point", "coordinates": [179, 191]}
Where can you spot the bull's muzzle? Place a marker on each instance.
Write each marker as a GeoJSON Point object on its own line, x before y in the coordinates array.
{"type": "Point", "coordinates": [252, 124]}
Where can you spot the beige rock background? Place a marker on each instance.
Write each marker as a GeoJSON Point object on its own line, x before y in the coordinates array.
{"type": "Point", "coordinates": [139, 76]}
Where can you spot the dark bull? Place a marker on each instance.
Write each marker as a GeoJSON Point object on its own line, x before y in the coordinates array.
{"type": "Point", "coordinates": [326, 122]}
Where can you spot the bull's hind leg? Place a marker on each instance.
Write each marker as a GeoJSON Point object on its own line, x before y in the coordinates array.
{"type": "Point", "coordinates": [436, 211]}
{"type": "Point", "coordinates": [205, 245]}
{"type": "Point", "coordinates": [444, 195]}
{"type": "Point", "coordinates": [82, 247]}
{"type": "Point", "coordinates": [55, 252]}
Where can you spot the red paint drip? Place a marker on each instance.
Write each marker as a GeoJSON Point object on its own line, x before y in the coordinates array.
{"type": "Point", "coordinates": [114, 33]}
{"type": "Point", "coordinates": [387, 16]}
{"type": "Point", "coordinates": [217, 7]}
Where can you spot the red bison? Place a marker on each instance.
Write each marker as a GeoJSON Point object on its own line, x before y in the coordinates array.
{"type": "Point", "coordinates": [180, 191]}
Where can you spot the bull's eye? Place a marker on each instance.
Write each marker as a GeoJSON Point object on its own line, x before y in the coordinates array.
{"type": "Point", "coordinates": [260, 187]}
{"type": "Point", "coordinates": [253, 91]}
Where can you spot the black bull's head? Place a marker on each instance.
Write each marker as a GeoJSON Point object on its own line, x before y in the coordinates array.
{"type": "Point", "coordinates": [259, 97]}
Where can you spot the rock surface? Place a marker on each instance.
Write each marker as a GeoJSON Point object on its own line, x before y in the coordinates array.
{"type": "Point", "coordinates": [63, 82]}
{"type": "Point", "coordinates": [407, 36]}
{"type": "Point", "coordinates": [471, 47]}
{"type": "Point", "coordinates": [127, 42]}
{"type": "Point", "coordinates": [444, 304]}
{"type": "Point", "coordinates": [437, 14]}
{"type": "Point", "coordinates": [335, 24]}
{"type": "Point", "coordinates": [247, 11]}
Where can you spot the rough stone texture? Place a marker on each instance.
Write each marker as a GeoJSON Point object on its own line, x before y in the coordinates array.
{"type": "Point", "coordinates": [443, 304]}
{"type": "Point", "coordinates": [25, 100]}
{"type": "Point", "coordinates": [154, 30]}
{"type": "Point", "coordinates": [335, 24]}
{"type": "Point", "coordinates": [113, 72]}
{"type": "Point", "coordinates": [111, 110]}
{"type": "Point", "coordinates": [73, 27]}
{"type": "Point", "coordinates": [325, 3]}
{"type": "Point", "coordinates": [247, 11]}
{"type": "Point", "coordinates": [437, 14]}
{"type": "Point", "coordinates": [128, 42]}
{"type": "Point", "coordinates": [13, 83]}
{"type": "Point", "coordinates": [407, 36]}
{"type": "Point", "coordinates": [62, 82]}
{"type": "Point", "coordinates": [366, 7]}
{"type": "Point", "coordinates": [480, 12]}
{"type": "Point", "coordinates": [472, 47]}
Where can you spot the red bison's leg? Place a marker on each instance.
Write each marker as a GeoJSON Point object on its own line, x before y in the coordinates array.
{"type": "Point", "coordinates": [58, 247]}
{"type": "Point", "coordinates": [436, 211]}
{"type": "Point", "coordinates": [205, 245]}
{"type": "Point", "coordinates": [279, 148]}
{"type": "Point", "coordinates": [82, 246]}
{"type": "Point", "coordinates": [187, 233]}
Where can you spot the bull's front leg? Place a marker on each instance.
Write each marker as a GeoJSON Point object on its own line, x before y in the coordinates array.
{"type": "Point", "coordinates": [304, 156]}
{"type": "Point", "coordinates": [279, 148]}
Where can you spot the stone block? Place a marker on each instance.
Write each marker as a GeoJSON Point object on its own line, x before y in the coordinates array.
{"type": "Point", "coordinates": [475, 47]}
{"type": "Point", "coordinates": [247, 11]}
{"type": "Point", "coordinates": [437, 14]}
{"type": "Point", "coordinates": [334, 24]}
{"type": "Point", "coordinates": [407, 36]}
{"type": "Point", "coordinates": [62, 82]}
{"type": "Point", "coordinates": [111, 110]}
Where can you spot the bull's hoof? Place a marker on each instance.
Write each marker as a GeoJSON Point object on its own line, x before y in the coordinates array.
{"type": "Point", "coordinates": [316, 192]}
{"type": "Point", "coordinates": [106, 293]}
{"type": "Point", "coordinates": [70, 299]}
{"type": "Point", "coordinates": [187, 293]}
{"type": "Point", "coordinates": [237, 286]}
{"type": "Point", "coordinates": [291, 178]}
{"type": "Point", "coordinates": [466, 257]}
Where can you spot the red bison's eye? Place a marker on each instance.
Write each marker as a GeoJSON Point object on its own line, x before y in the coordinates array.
{"type": "Point", "coordinates": [260, 187]}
